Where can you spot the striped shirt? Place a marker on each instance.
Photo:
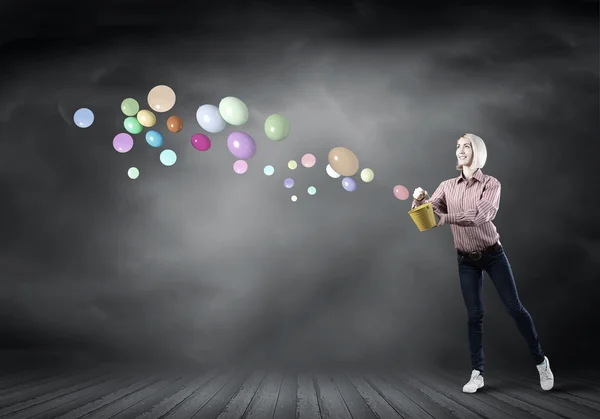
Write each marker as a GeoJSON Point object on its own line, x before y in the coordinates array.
{"type": "Point", "coordinates": [469, 206]}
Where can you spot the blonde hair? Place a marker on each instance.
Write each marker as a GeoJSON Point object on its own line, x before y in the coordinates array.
{"type": "Point", "coordinates": [479, 152]}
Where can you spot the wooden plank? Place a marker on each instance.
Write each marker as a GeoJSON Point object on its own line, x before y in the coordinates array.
{"type": "Point", "coordinates": [375, 398]}
{"type": "Point", "coordinates": [23, 377]}
{"type": "Point", "coordinates": [239, 403]}
{"type": "Point", "coordinates": [330, 400]}
{"type": "Point", "coordinates": [356, 404]}
{"type": "Point", "coordinates": [263, 405]}
{"type": "Point", "coordinates": [217, 403]}
{"type": "Point", "coordinates": [307, 402]}
{"type": "Point", "coordinates": [35, 380]}
{"type": "Point", "coordinates": [285, 408]}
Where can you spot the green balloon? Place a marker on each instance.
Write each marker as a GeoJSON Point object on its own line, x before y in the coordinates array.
{"type": "Point", "coordinates": [233, 111]}
{"type": "Point", "coordinates": [132, 125]}
{"type": "Point", "coordinates": [277, 127]}
{"type": "Point", "coordinates": [130, 106]}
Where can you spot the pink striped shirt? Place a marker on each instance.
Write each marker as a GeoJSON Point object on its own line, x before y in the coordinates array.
{"type": "Point", "coordinates": [469, 206]}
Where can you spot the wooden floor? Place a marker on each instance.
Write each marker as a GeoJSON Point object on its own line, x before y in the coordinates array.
{"type": "Point", "coordinates": [102, 393]}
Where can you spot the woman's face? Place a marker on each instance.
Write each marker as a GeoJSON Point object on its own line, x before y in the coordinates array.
{"type": "Point", "coordinates": [464, 152]}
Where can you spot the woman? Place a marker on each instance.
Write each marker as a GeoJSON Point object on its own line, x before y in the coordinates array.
{"type": "Point", "coordinates": [469, 204]}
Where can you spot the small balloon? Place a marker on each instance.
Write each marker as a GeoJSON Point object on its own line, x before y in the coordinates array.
{"type": "Point", "coordinates": [83, 118]}
{"type": "Point", "coordinates": [349, 184]}
{"type": "Point", "coordinates": [332, 173]}
{"type": "Point", "coordinates": [146, 118]}
{"type": "Point", "coordinates": [132, 125]}
{"type": "Point", "coordinates": [241, 145]}
{"type": "Point", "coordinates": [201, 142]}
{"type": "Point", "coordinates": [288, 183]}
{"type": "Point", "coordinates": [401, 192]}
{"type": "Point", "coordinates": [311, 190]}
{"type": "Point", "coordinates": [123, 142]}
{"type": "Point", "coordinates": [308, 160]}
{"type": "Point", "coordinates": [161, 98]}
{"type": "Point", "coordinates": [277, 127]}
{"type": "Point", "coordinates": [294, 198]}
{"type": "Point", "coordinates": [233, 111]}
{"type": "Point", "coordinates": [174, 123]}
{"type": "Point", "coordinates": [209, 118]}
{"type": "Point", "coordinates": [240, 167]}
{"type": "Point", "coordinates": [292, 165]}
{"type": "Point", "coordinates": [269, 170]}
{"type": "Point", "coordinates": [154, 138]}
{"type": "Point", "coordinates": [133, 173]}
{"type": "Point", "coordinates": [367, 175]}
{"type": "Point", "coordinates": [168, 157]}
{"type": "Point", "coordinates": [130, 106]}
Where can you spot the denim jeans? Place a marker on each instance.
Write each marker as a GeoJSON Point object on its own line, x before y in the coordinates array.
{"type": "Point", "coordinates": [471, 282]}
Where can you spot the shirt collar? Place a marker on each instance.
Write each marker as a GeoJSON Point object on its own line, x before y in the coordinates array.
{"type": "Point", "coordinates": [478, 175]}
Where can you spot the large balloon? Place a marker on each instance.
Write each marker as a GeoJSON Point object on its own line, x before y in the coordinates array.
{"type": "Point", "coordinates": [210, 119]}
{"type": "Point", "coordinates": [233, 111]}
{"type": "Point", "coordinates": [349, 184]}
{"type": "Point", "coordinates": [130, 106]}
{"type": "Point", "coordinates": [132, 125]}
{"type": "Point", "coordinates": [201, 142]}
{"type": "Point", "coordinates": [146, 118]}
{"type": "Point", "coordinates": [277, 127]}
{"type": "Point", "coordinates": [401, 192]}
{"type": "Point", "coordinates": [154, 138]}
{"type": "Point", "coordinates": [123, 142]}
{"type": "Point", "coordinates": [83, 118]}
{"type": "Point", "coordinates": [241, 145]}
{"type": "Point", "coordinates": [161, 98]}
{"type": "Point", "coordinates": [174, 123]}
{"type": "Point", "coordinates": [343, 161]}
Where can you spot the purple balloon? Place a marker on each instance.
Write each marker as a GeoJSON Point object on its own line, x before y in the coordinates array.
{"type": "Point", "coordinates": [241, 145]}
{"type": "Point", "coordinates": [349, 184]}
{"type": "Point", "coordinates": [123, 142]}
{"type": "Point", "coordinates": [288, 183]}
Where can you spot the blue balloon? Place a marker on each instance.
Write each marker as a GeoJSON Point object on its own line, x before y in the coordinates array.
{"type": "Point", "coordinates": [349, 184]}
{"type": "Point", "coordinates": [154, 138]}
{"type": "Point", "coordinates": [210, 119]}
{"type": "Point", "coordinates": [168, 157]}
{"type": "Point", "coordinates": [83, 118]}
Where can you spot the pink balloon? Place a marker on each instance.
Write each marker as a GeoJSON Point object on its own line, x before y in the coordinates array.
{"type": "Point", "coordinates": [240, 167]}
{"type": "Point", "coordinates": [308, 160]}
{"type": "Point", "coordinates": [401, 192]}
{"type": "Point", "coordinates": [123, 142]}
{"type": "Point", "coordinates": [201, 142]}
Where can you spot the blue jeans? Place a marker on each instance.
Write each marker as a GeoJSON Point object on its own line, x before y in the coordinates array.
{"type": "Point", "coordinates": [471, 282]}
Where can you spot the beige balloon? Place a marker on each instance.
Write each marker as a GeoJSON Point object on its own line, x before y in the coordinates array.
{"type": "Point", "coordinates": [343, 161]}
{"type": "Point", "coordinates": [161, 98]}
{"type": "Point", "coordinates": [146, 118]}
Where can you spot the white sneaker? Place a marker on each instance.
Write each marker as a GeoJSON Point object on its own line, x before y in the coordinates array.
{"type": "Point", "coordinates": [546, 376]}
{"type": "Point", "coordinates": [475, 383]}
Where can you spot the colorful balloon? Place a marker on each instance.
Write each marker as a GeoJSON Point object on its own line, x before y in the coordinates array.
{"type": "Point", "coordinates": [174, 123]}
{"type": "Point", "coordinates": [240, 167]}
{"type": "Point", "coordinates": [168, 157]}
{"type": "Point", "coordinates": [349, 184]}
{"type": "Point", "coordinates": [233, 111]}
{"type": "Point", "coordinates": [130, 106]}
{"type": "Point", "coordinates": [401, 192]}
{"type": "Point", "coordinates": [83, 118]}
{"type": "Point", "coordinates": [161, 98]}
{"type": "Point", "coordinates": [133, 173]}
{"type": "Point", "coordinates": [277, 127]}
{"type": "Point", "coordinates": [241, 145]}
{"type": "Point", "coordinates": [146, 118]}
{"type": "Point", "coordinates": [288, 183]}
{"type": "Point", "coordinates": [154, 138]}
{"type": "Point", "coordinates": [332, 173]}
{"type": "Point", "coordinates": [123, 142]}
{"type": "Point", "coordinates": [269, 170]}
{"type": "Point", "coordinates": [311, 190]}
{"type": "Point", "coordinates": [292, 165]}
{"type": "Point", "coordinates": [210, 119]}
{"type": "Point", "coordinates": [343, 161]}
{"type": "Point", "coordinates": [367, 175]}
{"type": "Point", "coordinates": [132, 125]}
{"type": "Point", "coordinates": [294, 198]}
{"type": "Point", "coordinates": [308, 160]}
{"type": "Point", "coordinates": [201, 142]}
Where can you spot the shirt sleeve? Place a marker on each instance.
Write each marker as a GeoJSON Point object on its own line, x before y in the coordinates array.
{"type": "Point", "coordinates": [486, 209]}
{"type": "Point", "coordinates": [437, 200]}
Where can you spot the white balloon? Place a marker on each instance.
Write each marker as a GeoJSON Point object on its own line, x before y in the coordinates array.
{"type": "Point", "coordinates": [332, 173]}
{"type": "Point", "coordinates": [210, 119]}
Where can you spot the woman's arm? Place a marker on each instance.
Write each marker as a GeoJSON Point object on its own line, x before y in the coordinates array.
{"type": "Point", "coordinates": [437, 200]}
{"type": "Point", "coordinates": [486, 209]}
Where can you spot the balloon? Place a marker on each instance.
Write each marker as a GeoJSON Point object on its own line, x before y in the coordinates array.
{"type": "Point", "coordinates": [277, 127]}
{"type": "Point", "coordinates": [367, 175]}
{"type": "Point", "coordinates": [308, 160]}
{"type": "Point", "coordinates": [332, 173]}
{"type": "Point", "coordinates": [210, 119]}
{"type": "Point", "coordinates": [240, 167]}
{"type": "Point", "coordinates": [269, 170]}
{"type": "Point", "coordinates": [288, 183]}
{"type": "Point", "coordinates": [292, 165]}
{"type": "Point", "coordinates": [146, 118]}
{"type": "Point", "coordinates": [132, 125]}
{"type": "Point", "coordinates": [233, 111]}
{"type": "Point", "coordinates": [401, 192]}
{"type": "Point", "coordinates": [311, 190]}
{"type": "Point", "coordinates": [174, 123]}
{"type": "Point", "coordinates": [168, 157]}
{"type": "Point", "coordinates": [201, 142]}
{"type": "Point", "coordinates": [294, 198]}
{"type": "Point", "coordinates": [123, 142]}
{"type": "Point", "coordinates": [133, 173]}
{"type": "Point", "coordinates": [83, 118]}
{"type": "Point", "coordinates": [343, 161]}
{"type": "Point", "coordinates": [130, 106]}
{"type": "Point", "coordinates": [161, 98]}
{"type": "Point", "coordinates": [349, 184]}
{"type": "Point", "coordinates": [241, 145]}
{"type": "Point", "coordinates": [154, 138]}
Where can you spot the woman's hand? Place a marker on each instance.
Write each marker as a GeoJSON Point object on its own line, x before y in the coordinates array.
{"type": "Point", "coordinates": [419, 194]}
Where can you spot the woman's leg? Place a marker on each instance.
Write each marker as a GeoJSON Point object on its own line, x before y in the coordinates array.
{"type": "Point", "coordinates": [471, 277]}
{"type": "Point", "coordinates": [499, 270]}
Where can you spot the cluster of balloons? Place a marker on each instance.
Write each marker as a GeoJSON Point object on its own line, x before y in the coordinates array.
{"type": "Point", "coordinates": [343, 162]}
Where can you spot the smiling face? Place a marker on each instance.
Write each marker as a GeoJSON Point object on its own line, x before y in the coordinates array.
{"type": "Point", "coordinates": [464, 152]}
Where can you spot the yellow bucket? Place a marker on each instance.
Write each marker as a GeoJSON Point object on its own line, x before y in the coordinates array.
{"type": "Point", "coordinates": [423, 216]}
